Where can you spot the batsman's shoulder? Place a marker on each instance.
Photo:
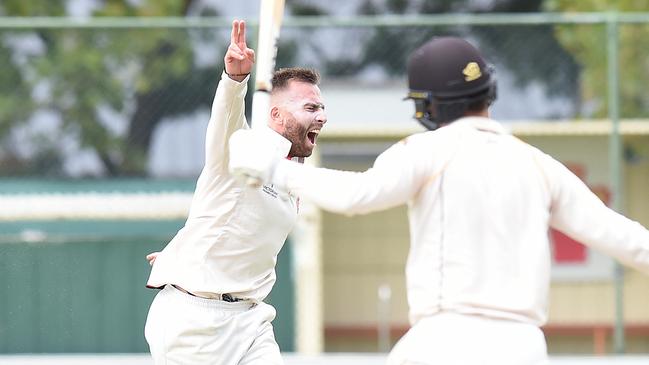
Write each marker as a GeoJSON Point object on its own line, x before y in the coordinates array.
{"type": "Point", "coordinates": [412, 138]}
{"type": "Point", "coordinates": [423, 139]}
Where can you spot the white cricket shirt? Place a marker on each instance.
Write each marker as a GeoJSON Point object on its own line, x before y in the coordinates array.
{"type": "Point", "coordinates": [480, 204]}
{"type": "Point", "coordinates": [233, 233]}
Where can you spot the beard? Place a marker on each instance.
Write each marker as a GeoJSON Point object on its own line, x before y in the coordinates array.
{"type": "Point", "coordinates": [300, 144]}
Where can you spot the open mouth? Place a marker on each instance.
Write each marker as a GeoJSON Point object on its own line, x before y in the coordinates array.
{"type": "Point", "coordinates": [313, 135]}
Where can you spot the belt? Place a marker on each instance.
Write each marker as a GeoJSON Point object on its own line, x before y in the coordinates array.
{"type": "Point", "coordinates": [224, 297]}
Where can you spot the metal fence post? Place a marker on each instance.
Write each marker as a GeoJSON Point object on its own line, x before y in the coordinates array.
{"type": "Point", "coordinates": [615, 163]}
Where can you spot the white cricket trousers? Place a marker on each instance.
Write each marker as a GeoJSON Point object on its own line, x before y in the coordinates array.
{"type": "Point", "coordinates": [182, 329]}
{"type": "Point", "coordinates": [456, 339]}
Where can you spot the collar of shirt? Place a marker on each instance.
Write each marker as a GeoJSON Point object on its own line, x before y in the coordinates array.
{"type": "Point", "coordinates": [483, 124]}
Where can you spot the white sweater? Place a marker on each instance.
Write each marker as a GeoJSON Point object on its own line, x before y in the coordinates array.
{"type": "Point", "coordinates": [233, 234]}
{"type": "Point", "coordinates": [480, 204]}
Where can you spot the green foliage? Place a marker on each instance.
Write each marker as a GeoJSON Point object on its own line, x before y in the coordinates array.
{"type": "Point", "coordinates": [301, 9]}
{"type": "Point", "coordinates": [32, 8]}
{"type": "Point", "coordinates": [148, 75]}
{"type": "Point", "coordinates": [588, 45]}
{"type": "Point", "coordinates": [531, 54]}
{"type": "Point", "coordinates": [15, 94]}
{"type": "Point", "coordinates": [131, 72]}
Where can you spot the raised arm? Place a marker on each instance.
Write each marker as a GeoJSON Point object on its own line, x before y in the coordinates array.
{"type": "Point", "coordinates": [239, 58]}
{"type": "Point", "coordinates": [579, 213]}
{"type": "Point", "coordinates": [393, 180]}
{"type": "Point", "coordinates": [228, 108]}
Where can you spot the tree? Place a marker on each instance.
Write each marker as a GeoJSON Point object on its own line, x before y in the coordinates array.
{"type": "Point", "coordinates": [588, 44]}
{"type": "Point", "coordinates": [136, 73]}
{"type": "Point", "coordinates": [509, 45]}
{"type": "Point", "coordinates": [148, 75]}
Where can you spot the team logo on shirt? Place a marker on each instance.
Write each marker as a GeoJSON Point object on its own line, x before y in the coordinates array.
{"type": "Point", "coordinates": [268, 189]}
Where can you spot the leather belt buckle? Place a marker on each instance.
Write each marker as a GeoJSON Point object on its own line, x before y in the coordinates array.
{"type": "Point", "coordinates": [229, 298]}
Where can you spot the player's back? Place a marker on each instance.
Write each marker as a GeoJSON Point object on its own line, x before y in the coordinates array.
{"type": "Point", "coordinates": [486, 217]}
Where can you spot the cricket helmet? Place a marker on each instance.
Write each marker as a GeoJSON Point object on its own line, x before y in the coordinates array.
{"type": "Point", "coordinates": [446, 76]}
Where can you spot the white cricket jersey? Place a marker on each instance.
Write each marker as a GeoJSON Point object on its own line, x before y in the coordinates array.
{"type": "Point", "coordinates": [233, 234]}
{"type": "Point", "coordinates": [480, 204]}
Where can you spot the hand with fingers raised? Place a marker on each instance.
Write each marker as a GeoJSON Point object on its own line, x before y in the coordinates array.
{"type": "Point", "coordinates": [239, 58]}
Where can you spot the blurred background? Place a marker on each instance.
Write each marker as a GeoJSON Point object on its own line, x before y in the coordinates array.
{"type": "Point", "coordinates": [103, 111]}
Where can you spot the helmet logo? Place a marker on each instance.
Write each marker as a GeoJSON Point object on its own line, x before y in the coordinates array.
{"type": "Point", "coordinates": [472, 71]}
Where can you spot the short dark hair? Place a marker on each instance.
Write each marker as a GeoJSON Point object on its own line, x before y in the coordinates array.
{"type": "Point", "coordinates": [282, 76]}
{"type": "Point", "coordinates": [450, 111]}
{"type": "Point", "coordinates": [479, 105]}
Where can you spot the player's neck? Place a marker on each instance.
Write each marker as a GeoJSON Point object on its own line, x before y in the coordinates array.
{"type": "Point", "coordinates": [481, 113]}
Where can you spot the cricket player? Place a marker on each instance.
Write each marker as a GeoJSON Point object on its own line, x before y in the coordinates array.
{"type": "Point", "coordinates": [480, 205]}
{"type": "Point", "coordinates": [217, 270]}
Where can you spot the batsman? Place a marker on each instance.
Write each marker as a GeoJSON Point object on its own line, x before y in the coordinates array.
{"type": "Point", "coordinates": [480, 203]}
{"type": "Point", "coordinates": [217, 270]}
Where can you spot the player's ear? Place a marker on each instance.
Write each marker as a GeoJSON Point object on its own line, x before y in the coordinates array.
{"type": "Point", "coordinates": [276, 115]}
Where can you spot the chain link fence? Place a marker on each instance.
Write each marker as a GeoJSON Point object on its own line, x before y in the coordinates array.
{"type": "Point", "coordinates": [125, 97]}
{"type": "Point", "coordinates": [107, 97]}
